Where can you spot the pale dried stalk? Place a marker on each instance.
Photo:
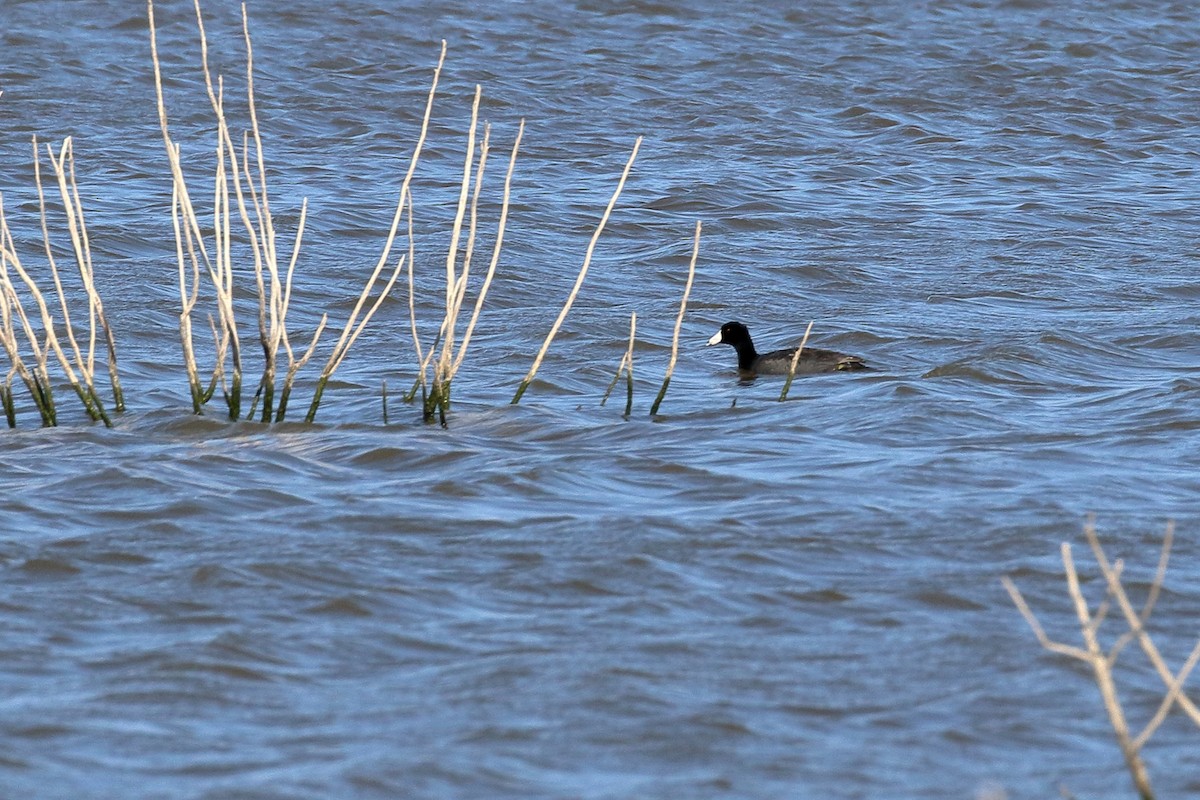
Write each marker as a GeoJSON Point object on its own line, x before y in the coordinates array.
{"type": "Point", "coordinates": [273, 305]}
{"type": "Point", "coordinates": [40, 387]}
{"type": "Point", "coordinates": [446, 331]}
{"type": "Point", "coordinates": [436, 401]}
{"type": "Point", "coordinates": [187, 230]}
{"type": "Point", "coordinates": [562, 315]}
{"type": "Point", "coordinates": [37, 377]}
{"type": "Point", "coordinates": [249, 188]}
{"type": "Point", "coordinates": [459, 290]}
{"type": "Point", "coordinates": [354, 327]}
{"type": "Point", "coordinates": [626, 368]}
{"type": "Point", "coordinates": [405, 193]}
{"type": "Point", "coordinates": [412, 308]}
{"type": "Point", "coordinates": [295, 365]}
{"type": "Point", "coordinates": [189, 293]}
{"type": "Point", "coordinates": [1174, 695]}
{"type": "Point", "coordinates": [222, 233]}
{"type": "Point", "coordinates": [460, 211]}
{"type": "Point", "coordinates": [687, 290]}
{"type": "Point", "coordinates": [787, 384]}
{"type": "Point", "coordinates": [1135, 620]}
{"type": "Point", "coordinates": [84, 385]}
{"type": "Point", "coordinates": [64, 171]}
{"type": "Point", "coordinates": [1102, 663]}
{"type": "Point", "coordinates": [487, 280]}
{"type": "Point", "coordinates": [85, 391]}
{"type": "Point", "coordinates": [1102, 674]}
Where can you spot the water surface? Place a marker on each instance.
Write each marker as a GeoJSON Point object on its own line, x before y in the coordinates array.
{"type": "Point", "coordinates": [993, 203]}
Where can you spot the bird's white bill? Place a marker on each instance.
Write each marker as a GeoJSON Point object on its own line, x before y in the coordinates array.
{"type": "Point", "coordinates": [716, 339]}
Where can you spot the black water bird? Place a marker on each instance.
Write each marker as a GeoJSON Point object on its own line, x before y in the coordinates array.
{"type": "Point", "coordinates": [778, 362]}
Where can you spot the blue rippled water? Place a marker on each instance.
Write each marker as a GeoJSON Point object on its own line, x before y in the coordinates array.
{"type": "Point", "coordinates": [994, 203]}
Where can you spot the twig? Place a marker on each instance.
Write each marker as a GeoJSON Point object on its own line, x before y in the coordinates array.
{"type": "Point", "coordinates": [626, 368]}
{"type": "Point", "coordinates": [687, 290]}
{"type": "Point", "coordinates": [1102, 662]}
{"type": "Point", "coordinates": [787, 384]}
{"type": "Point", "coordinates": [587, 259]}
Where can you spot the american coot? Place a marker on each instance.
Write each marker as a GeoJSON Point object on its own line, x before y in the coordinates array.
{"type": "Point", "coordinates": [778, 362]}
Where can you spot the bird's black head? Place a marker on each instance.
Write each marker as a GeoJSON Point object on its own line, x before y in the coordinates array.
{"type": "Point", "coordinates": [734, 333]}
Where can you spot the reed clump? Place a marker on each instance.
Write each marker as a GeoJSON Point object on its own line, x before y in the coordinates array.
{"type": "Point", "coordinates": [242, 203]}
{"type": "Point", "coordinates": [29, 332]}
{"type": "Point", "coordinates": [1102, 660]}
{"type": "Point", "coordinates": [241, 200]}
{"type": "Point", "coordinates": [228, 244]}
{"type": "Point", "coordinates": [441, 360]}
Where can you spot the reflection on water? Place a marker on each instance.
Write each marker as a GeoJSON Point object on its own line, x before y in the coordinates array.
{"type": "Point", "coordinates": [992, 204]}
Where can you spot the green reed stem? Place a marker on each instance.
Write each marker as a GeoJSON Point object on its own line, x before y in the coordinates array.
{"type": "Point", "coordinates": [6, 399]}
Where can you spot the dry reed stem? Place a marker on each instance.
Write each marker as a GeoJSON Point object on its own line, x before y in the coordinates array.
{"type": "Point", "coordinates": [406, 195]}
{"type": "Point", "coordinates": [460, 211]}
{"type": "Point", "coordinates": [687, 290]}
{"type": "Point", "coordinates": [587, 259]}
{"type": "Point", "coordinates": [459, 290]}
{"type": "Point", "coordinates": [412, 311]}
{"type": "Point", "coordinates": [35, 378]}
{"type": "Point", "coordinates": [1102, 674]}
{"type": "Point", "coordinates": [352, 330]}
{"type": "Point", "coordinates": [446, 331]}
{"type": "Point", "coordinates": [453, 357]}
{"type": "Point", "coordinates": [189, 235]}
{"type": "Point", "coordinates": [1135, 620]}
{"type": "Point", "coordinates": [295, 365]}
{"type": "Point", "coordinates": [222, 233]}
{"type": "Point", "coordinates": [1174, 695]}
{"type": "Point", "coordinates": [79, 236]}
{"type": "Point", "coordinates": [273, 304]}
{"type": "Point", "coordinates": [85, 384]}
{"type": "Point", "coordinates": [787, 384]}
{"type": "Point", "coordinates": [1102, 662]}
{"type": "Point", "coordinates": [54, 275]}
{"type": "Point", "coordinates": [63, 166]}
{"type": "Point", "coordinates": [244, 177]}
{"type": "Point", "coordinates": [85, 388]}
{"type": "Point", "coordinates": [452, 353]}
{"type": "Point", "coordinates": [496, 246]}
{"type": "Point", "coordinates": [189, 294]}
{"type": "Point", "coordinates": [260, 230]}
{"type": "Point", "coordinates": [625, 367]}
{"type": "Point", "coordinates": [405, 192]}
{"type": "Point", "coordinates": [51, 344]}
